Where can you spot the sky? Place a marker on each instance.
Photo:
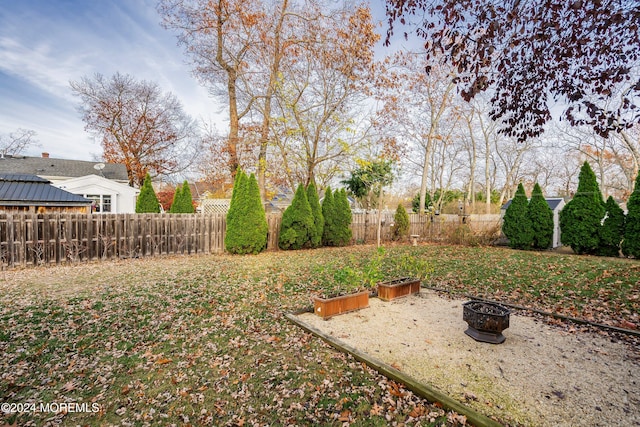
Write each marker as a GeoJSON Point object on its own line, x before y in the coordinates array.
{"type": "Point", "coordinates": [45, 44]}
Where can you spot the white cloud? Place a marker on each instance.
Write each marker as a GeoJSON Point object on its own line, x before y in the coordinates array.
{"type": "Point", "coordinates": [38, 65]}
{"type": "Point", "coordinates": [44, 46]}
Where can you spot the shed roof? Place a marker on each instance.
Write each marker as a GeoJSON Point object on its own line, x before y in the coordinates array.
{"type": "Point", "coordinates": [553, 202]}
{"type": "Point", "coordinates": [63, 168]}
{"type": "Point", "coordinates": [29, 190]}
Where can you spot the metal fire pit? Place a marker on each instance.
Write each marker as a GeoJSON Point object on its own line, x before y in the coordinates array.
{"type": "Point", "coordinates": [486, 321]}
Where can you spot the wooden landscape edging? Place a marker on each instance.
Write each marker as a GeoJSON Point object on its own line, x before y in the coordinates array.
{"type": "Point", "coordinates": [423, 390]}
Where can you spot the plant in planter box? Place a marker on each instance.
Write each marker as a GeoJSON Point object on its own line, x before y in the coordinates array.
{"type": "Point", "coordinates": [408, 272]}
{"type": "Point", "coordinates": [347, 288]}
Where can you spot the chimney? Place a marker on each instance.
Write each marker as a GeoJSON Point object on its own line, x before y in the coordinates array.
{"type": "Point", "coordinates": [45, 155]}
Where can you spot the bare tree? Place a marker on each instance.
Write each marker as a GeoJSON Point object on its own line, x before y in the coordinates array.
{"type": "Point", "coordinates": [316, 122]}
{"type": "Point", "coordinates": [418, 108]}
{"type": "Point", "coordinates": [17, 142]}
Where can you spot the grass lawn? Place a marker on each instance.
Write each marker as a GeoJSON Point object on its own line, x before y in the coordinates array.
{"type": "Point", "coordinates": [202, 340]}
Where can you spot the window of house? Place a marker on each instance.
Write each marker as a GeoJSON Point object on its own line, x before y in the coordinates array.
{"type": "Point", "coordinates": [106, 203]}
{"type": "Point", "coordinates": [101, 203]}
{"type": "Point", "coordinates": [95, 199]}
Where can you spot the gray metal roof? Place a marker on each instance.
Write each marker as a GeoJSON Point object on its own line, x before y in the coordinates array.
{"type": "Point", "coordinates": [29, 190]}
{"type": "Point", "coordinates": [553, 203]}
{"type": "Point", "coordinates": [46, 166]}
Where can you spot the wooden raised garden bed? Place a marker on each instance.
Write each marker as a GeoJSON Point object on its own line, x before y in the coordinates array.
{"type": "Point", "coordinates": [398, 288]}
{"type": "Point", "coordinates": [327, 307]}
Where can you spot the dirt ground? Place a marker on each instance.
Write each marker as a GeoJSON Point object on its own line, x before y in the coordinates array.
{"type": "Point", "coordinates": [542, 375]}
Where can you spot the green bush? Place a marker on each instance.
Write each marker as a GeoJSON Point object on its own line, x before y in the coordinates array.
{"type": "Point", "coordinates": [182, 201]}
{"type": "Point", "coordinates": [147, 200]}
{"type": "Point", "coordinates": [581, 218]}
{"type": "Point", "coordinates": [318, 218]}
{"type": "Point", "coordinates": [415, 203]}
{"type": "Point", "coordinates": [177, 198]}
{"type": "Point", "coordinates": [612, 230]}
{"type": "Point", "coordinates": [337, 218]}
{"type": "Point", "coordinates": [246, 221]}
{"type": "Point", "coordinates": [329, 214]}
{"type": "Point", "coordinates": [401, 224]}
{"type": "Point", "coordinates": [342, 233]}
{"type": "Point", "coordinates": [541, 219]}
{"type": "Point", "coordinates": [516, 224]}
{"type": "Point", "coordinates": [297, 227]}
{"type": "Point", "coordinates": [631, 242]}
{"type": "Point", "coordinates": [186, 200]}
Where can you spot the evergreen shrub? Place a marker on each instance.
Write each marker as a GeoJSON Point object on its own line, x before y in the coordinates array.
{"type": "Point", "coordinates": [297, 227]}
{"type": "Point", "coordinates": [401, 224]}
{"type": "Point", "coordinates": [541, 219]}
{"type": "Point", "coordinates": [516, 224]}
{"type": "Point", "coordinates": [342, 234]}
{"type": "Point", "coordinates": [328, 213]}
{"type": "Point", "coordinates": [177, 200]}
{"type": "Point", "coordinates": [612, 230]}
{"type": "Point", "coordinates": [581, 218]}
{"type": "Point", "coordinates": [318, 218]}
{"type": "Point", "coordinates": [247, 227]}
{"type": "Point", "coordinates": [147, 200]}
{"type": "Point", "coordinates": [631, 242]}
{"type": "Point", "coordinates": [186, 200]}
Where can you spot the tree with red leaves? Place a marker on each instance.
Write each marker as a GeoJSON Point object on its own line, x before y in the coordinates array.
{"type": "Point", "coordinates": [140, 127]}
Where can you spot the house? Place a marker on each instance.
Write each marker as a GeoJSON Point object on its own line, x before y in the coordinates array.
{"type": "Point", "coordinates": [30, 193]}
{"type": "Point", "coordinates": [58, 170]}
{"type": "Point", "coordinates": [107, 196]}
{"type": "Point", "coordinates": [556, 204]}
{"type": "Point", "coordinates": [106, 184]}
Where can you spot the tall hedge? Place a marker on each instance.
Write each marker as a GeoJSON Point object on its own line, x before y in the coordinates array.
{"type": "Point", "coordinates": [541, 219]}
{"type": "Point", "coordinates": [147, 200]}
{"type": "Point", "coordinates": [612, 230]}
{"type": "Point", "coordinates": [516, 224]}
{"type": "Point", "coordinates": [318, 218]}
{"type": "Point", "coordinates": [580, 219]}
{"type": "Point", "coordinates": [186, 200]}
{"type": "Point", "coordinates": [631, 242]}
{"type": "Point", "coordinates": [401, 224]}
{"type": "Point", "coordinates": [330, 220]}
{"type": "Point", "coordinates": [343, 233]}
{"type": "Point", "coordinates": [182, 201]}
{"type": "Point", "coordinates": [297, 227]}
{"type": "Point", "coordinates": [246, 220]}
{"type": "Point", "coordinates": [177, 199]}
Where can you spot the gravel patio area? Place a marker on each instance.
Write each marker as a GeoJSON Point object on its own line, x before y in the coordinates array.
{"type": "Point", "coordinates": [542, 375]}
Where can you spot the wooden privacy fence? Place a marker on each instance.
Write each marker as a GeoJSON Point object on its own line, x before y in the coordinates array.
{"type": "Point", "coordinates": [33, 239]}
{"type": "Point", "coordinates": [431, 228]}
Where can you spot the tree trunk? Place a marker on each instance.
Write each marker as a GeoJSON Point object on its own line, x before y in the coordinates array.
{"type": "Point", "coordinates": [379, 231]}
{"type": "Point", "coordinates": [266, 119]}
{"type": "Point", "coordinates": [234, 125]}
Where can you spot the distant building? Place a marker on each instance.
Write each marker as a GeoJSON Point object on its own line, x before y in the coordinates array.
{"type": "Point", "coordinates": [556, 204]}
{"type": "Point", "coordinates": [105, 184]}
{"type": "Point", "coordinates": [107, 196]}
{"type": "Point", "coordinates": [58, 170]}
{"type": "Point", "coordinates": [31, 193]}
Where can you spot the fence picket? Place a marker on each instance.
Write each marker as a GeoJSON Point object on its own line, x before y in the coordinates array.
{"type": "Point", "coordinates": [31, 239]}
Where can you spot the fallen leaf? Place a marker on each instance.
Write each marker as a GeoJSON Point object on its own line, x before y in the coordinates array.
{"type": "Point", "coordinates": [376, 409]}
{"type": "Point", "coordinates": [345, 416]}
